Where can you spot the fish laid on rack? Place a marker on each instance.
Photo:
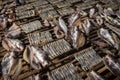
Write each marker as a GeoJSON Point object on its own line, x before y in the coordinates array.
{"type": "Point", "coordinates": [112, 64]}
{"type": "Point", "coordinates": [12, 44]}
{"type": "Point", "coordinates": [36, 57]}
{"type": "Point", "coordinates": [92, 75]}
{"type": "Point", "coordinates": [109, 37]}
{"type": "Point", "coordinates": [11, 65]}
{"type": "Point", "coordinates": [77, 38]}
{"type": "Point", "coordinates": [13, 32]}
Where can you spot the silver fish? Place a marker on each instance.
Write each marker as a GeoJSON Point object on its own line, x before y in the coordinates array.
{"type": "Point", "coordinates": [3, 22]}
{"type": "Point", "coordinates": [36, 57]}
{"type": "Point", "coordinates": [11, 65]}
{"type": "Point", "coordinates": [63, 26]}
{"type": "Point", "coordinates": [35, 77]}
{"type": "Point", "coordinates": [73, 18]}
{"type": "Point", "coordinates": [112, 64]}
{"type": "Point", "coordinates": [99, 20]}
{"type": "Point", "coordinates": [78, 38]}
{"type": "Point", "coordinates": [13, 32]}
{"type": "Point", "coordinates": [114, 29]}
{"type": "Point", "coordinates": [12, 44]}
{"type": "Point", "coordinates": [91, 12]}
{"type": "Point", "coordinates": [94, 76]}
{"type": "Point", "coordinates": [110, 38]}
{"type": "Point", "coordinates": [85, 27]}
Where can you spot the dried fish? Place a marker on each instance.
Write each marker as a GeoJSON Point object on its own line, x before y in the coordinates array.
{"type": "Point", "coordinates": [3, 22]}
{"type": "Point", "coordinates": [11, 65]}
{"type": "Point", "coordinates": [73, 18]}
{"type": "Point", "coordinates": [99, 20]}
{"type": "Point", "coordinates": [85, 27]}
{"type": "Point", "coordinates": [35, 77]}
{"type": "Point", "coordinates": [114, 29]}
{"type": "Point", "coordinates": [63, 26]}
{"type": "Point", "coordinates": [77, 37]}
{"type": "Point", "coordinates": [110, 38]}
{"type": "Point", "coordinates": [12, 44]}
{"type": "Point", "coordinates": [58, 33]}
{"type": "Point", "coordinates": [94, 76]}
{"type": "Point", "coordinates": [35, 57]}
{"type": "Point", "coordinates": [91, 12]}
{"type": "Point", "coordinates": [112, 64]}
{"type": "Point", "coordinates": [100, 44]}
{"type": "Point", "coordinates": [13, 32]}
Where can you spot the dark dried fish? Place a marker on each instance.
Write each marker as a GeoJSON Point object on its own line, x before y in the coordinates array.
{"type": "Point", "coordinates": [13, 32]}
{"type": "Point", "coordinates": [94, 76]}
{"type": "Point", "coordinates": [112, 64]}
{"type": "Point", "coordinates": [110, 38]}
{"type": "Point", "coordinates": [12, 44]}
{"type": "Point", "coordinates": [36, 57]}
{"type": "Point", "coordinates": [11, 65]}
{"type": "Point", "coordinates": [78, 38]}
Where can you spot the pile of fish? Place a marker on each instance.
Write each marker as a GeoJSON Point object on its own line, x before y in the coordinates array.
{"type": "Point", "coordinates": [71, 33]}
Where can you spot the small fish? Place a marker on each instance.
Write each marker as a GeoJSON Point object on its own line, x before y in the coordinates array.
{"type": "Point", "coordinates": [94, 76]}
{"type": "Point", "coordinates": [12, 45]}
{"type": "Point", "coordinates": [99, 20]}
{"type": "Point", "coordinates": [77, 37]}
{"type": "Point", "coordinates": [13, 32]}
{"type": "Point", "coordinates": [46, 23]}
{"type": "Point", "coordinates": [58, 33]}
{"type": "Point", "coordinates": [73, 18]}
{"type": "Point", "coordinates": [3, 22]}
{"type": "Point", "coordinates": [35, 77]}
{"type": "Point", "coordinates": [63, 26]}
{"type": "Point", "coordinates": [85, 27]}
{"type": "Point", "coordinates": [114, 29]}
{"type": "Point", "coordinates": [109, 12]}
{"type": "Point", "coordinates": [112, 64]}
{"type": "Point", "coordinates": [36, 57]}
{"type": "Point", "coordinates": [11, 65]}
{"type": "Point", "coordinates": [91, 12]}
{"type": "Point", "coordinates": [100, 44]}
{"type": "Point", "coordinates": [110, 38]}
